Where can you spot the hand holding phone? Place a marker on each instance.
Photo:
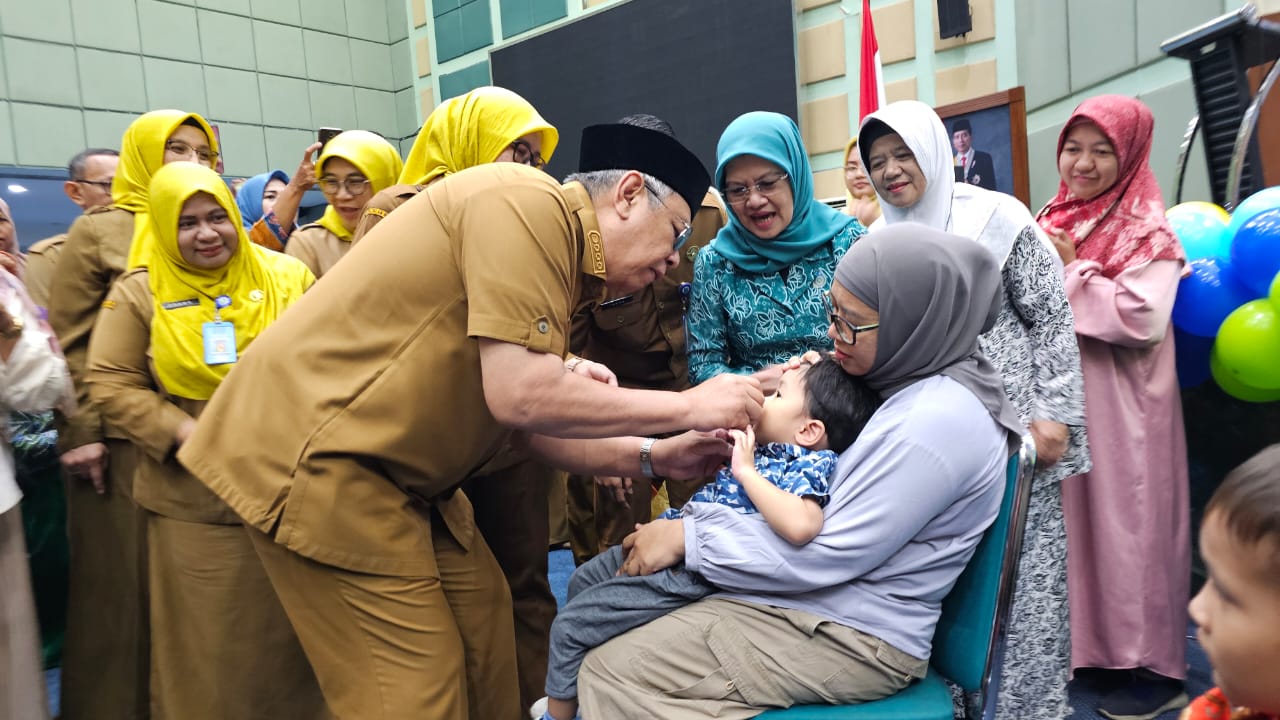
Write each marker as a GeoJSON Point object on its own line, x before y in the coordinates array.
{"type": "Point", "coordinates": [326, 134]}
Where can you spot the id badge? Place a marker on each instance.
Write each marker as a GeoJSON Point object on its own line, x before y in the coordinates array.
{"type": "Point", "coordinates": [219, 343]}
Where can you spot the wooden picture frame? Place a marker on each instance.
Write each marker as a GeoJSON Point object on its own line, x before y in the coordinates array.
{"type": "Point", "coordinates": [998, 129]}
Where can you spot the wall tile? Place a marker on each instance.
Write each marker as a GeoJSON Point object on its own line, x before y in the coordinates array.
{"type": "Point", "coordinates": [105, 129]}
{"type": "Point", "coordinates": [281, 11]}
{"type": "Point", "coordinates": [895, 31]}
{"type": "Point", "coordinates": [244, 151]}
{"type": "Point", "coordinates": [440, 7]}
{"type": "Point", "coordinates": [419, 13]}
{"type": "Point", "coordinates": [1042, 148]}
{"type": "Point", "coordinates": [107, 24]}
{"type": "Point", "coordinates": [406, 145]}
{"type": "Point", "coordinates": [821, 51]}
{"type": "Point", "coordinates": [233, 95]}
{"type": "Point", "coordinates": [4, 85]}
{"type": "Point", "coordinates": [1173, 105]}
{"type": "Point", "coordinates": [811, 4]}
{"type": "Point", "coordinates": [285, 101]}
{"type": "Point", "coordinates": [328, 57]}
{"type": "Point", "coordinates": [326, 15]}
{"type": "Point", "coordinates": [406, 114]}
{"type": "Point", "coordinates": [401, 65]}
{"type": "Point", "coordinates": [376, 111]}
{"type": "Point", "coordinates": [41, 72]}
{"type": "Point", "coordinates": [477, 28]}
{"type": "Point", "coordinates": [367, 20]}
{"type": "Point", "coordinates": [982, 12]}
{"type": "Point", "coordinates": [235, 7]}
{"type": "Point", "coordinates": [1159, 20]}
{"type": "Point", "coordinates": [37, 19]}
{"type": "Point", "coordinates": [226, 40]}
{"type": "Point", "coordinates": [278, 49]}
{"type": "Point", "coordinates": [464, 80]}
{"type": "Point", "coordinates": [397, 20]}
{"type": "Point", "coordinates": [285, 147]}
{"type": "Point", "coordinates": [46, 136]}
{"type": "Point", "coordinates": [332, 105]}
{"type": "Point", "coordinates": [422, 53]}
{"type": "Point", "coordinates": [111, 81]}
{"type": "Point", "coordinates": [7, 155]}
{"type": "Point", "coordinates": [828, 183]}
{"type": "Point", "coordinates": [168, 30]}
{"type": "Point", "coordinates": [1101, 50]}
{"type": "Point", "coordinates": [824, 124]}
{"type": "Point", "coordinates": [900, 90]}
{"type": "Point", "coordinates": [965, 82]}
{"type": "Point", "coordinates": [371, 65]}
{"type": "Point", "coordinates": [176, 85]}
{"type": "Point", "coordinates": [426, 103]}
{"type": "Point", "coordinates": [1043, 67]}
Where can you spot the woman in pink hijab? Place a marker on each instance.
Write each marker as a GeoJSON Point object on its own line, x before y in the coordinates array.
{"type": "Point", "coordinates": [1128, 525]}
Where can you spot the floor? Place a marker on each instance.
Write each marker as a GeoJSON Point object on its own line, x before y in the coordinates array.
{"type": "Point", "coordinates": [561, 566]}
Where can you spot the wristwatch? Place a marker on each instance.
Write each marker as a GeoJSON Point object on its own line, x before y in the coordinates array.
{"type": "Point", "coordinates": [15, 328]}
{"type": "Point", "coordinates": [646, 457]}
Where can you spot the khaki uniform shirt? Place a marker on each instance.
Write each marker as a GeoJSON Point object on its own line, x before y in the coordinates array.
{"type": "Point", "coordinates": [642, 338]}
{"type": "Point", "coordinates": [94, 255]}
{"type": "Point", "coordinates": [381, 205]}
{"type": "Point", "coordinates": [42, 259]}
{"type": "Point", "coordinates": [316, 247]}
{"type": "Point", "coordinates": [363, 406]}
{"type": "Point", "coordinates": [124, 386]}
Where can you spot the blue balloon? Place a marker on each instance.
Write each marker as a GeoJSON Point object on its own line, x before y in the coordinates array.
{"type": "Point", "coordinates": [1265, 199]}
{"type": "Point", "coordinates": [1255, 251]}
{"type": "Point", "coordinates": [1207, 296]}
{"type": "Point", "coordinates": [1192, 354]}
{"type": "Point", "coordinates": [1203, 234]}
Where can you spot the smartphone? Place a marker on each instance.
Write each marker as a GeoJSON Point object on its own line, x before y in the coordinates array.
{"type": "Point", "coordinates": [326, 134]}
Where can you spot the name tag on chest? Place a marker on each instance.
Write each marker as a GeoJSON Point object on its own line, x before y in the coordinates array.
{"type": "Point", "coordinates": [219, 343]}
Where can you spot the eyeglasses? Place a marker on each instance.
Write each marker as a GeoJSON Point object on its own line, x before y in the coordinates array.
{"type": "Point", "coordinates": [768, 187]}
{"type": "Point", "coordinates": [355, 185]}
{"type": "Point", "coordinates": [845, 330]}
{"type": "Point", "coordinates": [682, 237]}
{"type": "Point", "coordinates": [101, 184]}
{"type": "Point", "coordinates": [177, 147]}
{"type": "Point", "coordinates": [522, 153]}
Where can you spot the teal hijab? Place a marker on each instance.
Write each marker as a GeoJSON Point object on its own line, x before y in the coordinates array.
{"type": "Point", "coordinates": [775, 138]}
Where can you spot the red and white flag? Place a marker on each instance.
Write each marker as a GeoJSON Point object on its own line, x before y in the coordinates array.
{"type": "Point", "coordinates": [870, 75]}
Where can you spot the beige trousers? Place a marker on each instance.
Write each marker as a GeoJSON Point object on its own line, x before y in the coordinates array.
{"type": "Point", "coordinates": [730, 660]}
{"type": "Point", "coordinates": [22, 693]}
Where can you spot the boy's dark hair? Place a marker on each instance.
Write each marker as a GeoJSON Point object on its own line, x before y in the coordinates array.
{"type": "Point", "coordinates": [1248, 501]}
{"type": "Point", "coordinates": [843, 402]}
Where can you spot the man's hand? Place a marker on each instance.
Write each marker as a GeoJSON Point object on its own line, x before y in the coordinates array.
{"type": "Point", "coordinates": [88, 462]}
{"type": "Point", "coordinates": [619, 487]}
{"type": "Point", "coordinates": [1051, 441]}
{"type": "Point", "coordinates": [725, 401]}
{"type": "Point", "coordinates": [690, 455]}
{"type": "Point", "coordinates": [653, 547]}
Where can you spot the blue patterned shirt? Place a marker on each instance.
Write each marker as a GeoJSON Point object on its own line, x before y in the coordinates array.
{"type": "Point", "coordinates": [740, 322]}
{"type": "Point", "coordinates": [790, 467]}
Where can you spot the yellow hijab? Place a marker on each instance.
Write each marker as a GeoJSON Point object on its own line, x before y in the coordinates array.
{"type": "Point", "coordinates": [372, 155]}
{"type": "Point", "coordinates": [473, 129]}
{"type": "Point", "coordinates": [260, 283]}
{"type": "Point", "coordinates": [141, 155]}
{"type": "Point", "coordinates": [848, 196]}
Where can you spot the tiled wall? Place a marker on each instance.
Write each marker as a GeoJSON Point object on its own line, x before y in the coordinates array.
{"type": "Point", "coordinates": [268, 72]}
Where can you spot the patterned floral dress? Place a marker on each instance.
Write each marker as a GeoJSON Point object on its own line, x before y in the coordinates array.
{"type": "Point", "coordinates": [740, 322]}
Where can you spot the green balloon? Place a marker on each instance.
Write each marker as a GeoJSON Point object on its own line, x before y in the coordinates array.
{"type": "Point", "coordinates": [1248, 345]}
{"type": "Point", "coordinates": [1275, 293]}
{"type": "Point", "coordinates": [1233, 387]}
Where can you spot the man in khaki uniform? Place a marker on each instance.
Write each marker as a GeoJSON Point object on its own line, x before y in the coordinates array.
{"type": "Point", "coordinates": [88, 185]}
{"type": "Point", "coordinates": [343, 435]}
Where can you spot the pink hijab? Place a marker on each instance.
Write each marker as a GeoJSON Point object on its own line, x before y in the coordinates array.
{"type": "Point", "coordinates": [1124, 227]}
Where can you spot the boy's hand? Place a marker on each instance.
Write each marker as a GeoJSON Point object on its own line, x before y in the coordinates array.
{"type": "Point", "coordinates": [744, 451]}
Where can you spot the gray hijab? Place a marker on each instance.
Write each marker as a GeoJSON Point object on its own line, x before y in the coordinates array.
{"type": "Point", "coordinates": [935, 295]}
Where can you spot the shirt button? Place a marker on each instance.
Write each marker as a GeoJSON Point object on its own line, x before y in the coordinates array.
{"type": "Point", "coordinates": [661, 305]}
{"type": "Point", "coordinates": [543, 327]}
{"type": "Point", "coordinates": [621, 319]}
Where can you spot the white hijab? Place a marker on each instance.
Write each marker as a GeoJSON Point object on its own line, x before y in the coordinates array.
{"type": "Point", "coordinates": [991, 218]}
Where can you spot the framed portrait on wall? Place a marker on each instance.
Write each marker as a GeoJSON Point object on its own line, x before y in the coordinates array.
{"type": "Point", "coordinates": [989, 141]}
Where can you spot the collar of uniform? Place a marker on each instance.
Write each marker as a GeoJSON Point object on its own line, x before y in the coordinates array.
{"type": "Point", "coordinates": [580, 205]}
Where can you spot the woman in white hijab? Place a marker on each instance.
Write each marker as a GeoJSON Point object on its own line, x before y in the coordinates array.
{"type": "Point", "coordinates": [907, 153]}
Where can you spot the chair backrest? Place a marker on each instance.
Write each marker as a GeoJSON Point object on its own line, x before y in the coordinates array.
{"type": "Point", "coordinates": [968, 644]}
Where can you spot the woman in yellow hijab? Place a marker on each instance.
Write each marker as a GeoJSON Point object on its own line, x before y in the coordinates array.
{"type": "Point", "coordinates": [105, 658]}
{"type": "Point", "coordinates": [488, 124]}
{"type": "Point", "coordinates": [860, 196]}
{"type": "Point", "coordinates": [221, 646]}
{"type": "Point", "coordinates": [352, 167]}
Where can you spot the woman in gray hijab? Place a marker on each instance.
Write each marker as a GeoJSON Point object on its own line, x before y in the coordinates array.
{"type": "Point", "coordinates": [848, 617]}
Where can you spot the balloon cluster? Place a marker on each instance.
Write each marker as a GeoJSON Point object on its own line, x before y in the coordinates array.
{"type": "Point", "coordinates": [1227, 315]}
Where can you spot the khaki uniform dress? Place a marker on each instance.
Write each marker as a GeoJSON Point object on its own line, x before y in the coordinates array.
{"type": "Point", "coordinates": [105, 659]}
{"type": "Point", "coordinates": [317, 247]}
{"type": "Point", "coordinates": [642, 341]}
{"type": "Point", "coordinates": [221, 645]}
{"type": "Point", "coordinates": [342, 436]}
{"type": "Point", "coordinates": [42, 258]}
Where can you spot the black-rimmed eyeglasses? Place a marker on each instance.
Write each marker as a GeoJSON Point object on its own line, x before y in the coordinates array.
{"type": "Point", "coordinates": [845, 330]}
{"type": "Point", "coordinates": [523, 153]}
{"type": "Point", "coordinates": [101, 184]}
{"type": "Point", "coordinates": [681, 237]}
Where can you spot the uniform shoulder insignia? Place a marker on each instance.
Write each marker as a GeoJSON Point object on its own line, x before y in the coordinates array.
{"type": "Point", "coordinates": [375, 211]}
{"type": "Point", "coordinates": [108, 304]}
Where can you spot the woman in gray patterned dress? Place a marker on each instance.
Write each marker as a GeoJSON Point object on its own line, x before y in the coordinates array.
{"type": "Point", "coordinates": [907, 152]}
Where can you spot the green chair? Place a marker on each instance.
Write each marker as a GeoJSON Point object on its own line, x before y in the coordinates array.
{"type": "Point", "coordinates": [968, 644]}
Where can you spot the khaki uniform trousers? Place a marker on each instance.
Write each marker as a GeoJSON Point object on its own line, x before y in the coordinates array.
{"type": "Point", "coordinates": [403, 648]}
{"type": "Point", "coordinates": [510, 508]}
{"type": "Point", "coordinates": [729, 660]}
{"type": "Point", "coordinates": [22, 693]}
{"type": "Point", "coordinates": [221, 645]}
{"type": "Point", "coordinates": [106, 657]}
